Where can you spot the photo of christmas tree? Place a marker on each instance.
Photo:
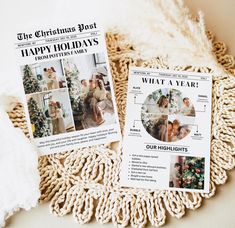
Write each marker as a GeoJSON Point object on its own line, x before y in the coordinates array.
{"type": "Point", "coordinates": [187, 172]}
{"type": "Point", "coordinates": [167, 115]}
{"type": "Point", "coordinates": [89, 90]}
{"type": "Point", "coordinates": [50, 113]}
{"type": "Point", "coordinates": [39, 77]}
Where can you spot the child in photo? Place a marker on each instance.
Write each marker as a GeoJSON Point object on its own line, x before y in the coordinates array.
{"type": "Point", "coordinates": [169, 131]}
{"type": "Point", "coordinates": [85, 87]}
{"type": "Point", "coordinates": [175, 130]}
{"type": "Point", "coordinates": [183, 131]}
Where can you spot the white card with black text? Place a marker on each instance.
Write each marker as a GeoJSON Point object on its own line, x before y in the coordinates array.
{"type": "Point", "coordinates": [167, 134]}
{"type": "Point", "coordinates": [67, 87]}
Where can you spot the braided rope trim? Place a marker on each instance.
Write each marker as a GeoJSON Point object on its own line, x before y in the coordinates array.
{"type": "Point", "coordinates": [85, 182]}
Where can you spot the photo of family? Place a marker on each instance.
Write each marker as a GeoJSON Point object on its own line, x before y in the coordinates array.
{"type": "Point", "coordinates": [167, 115]}
{"type": "Point", "coordinates": [89, 90]}
{"type": "Point", "coordinates": [187, 172]}
{"type": "Point", "coordinates": [45, 76]}
{"type": "Point", "coordinates": [168, 102]}
{"type": "Point", "coordinates": [50, 113]}
{"type": "Point", "coordinates": [166, 128]}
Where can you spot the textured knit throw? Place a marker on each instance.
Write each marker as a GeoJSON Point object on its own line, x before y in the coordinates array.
{"type": "Point", "coordinates": [85, 182]}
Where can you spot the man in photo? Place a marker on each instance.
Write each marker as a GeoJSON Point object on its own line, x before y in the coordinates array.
{"type": "Point", "coordinates": [177, 175]}
{"type": "Point", "coordinates": [188, 108]}
{"type": "Point", "coordinates": [160, 128]}
{"type": "Point", "coordinates": [56, 114]}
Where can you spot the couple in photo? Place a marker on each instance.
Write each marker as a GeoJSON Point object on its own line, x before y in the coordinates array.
{"type": "Point", "coordinates": [56, 114]}
{"type": "Point", "coordinates": [96, 98]}
{"type": "Point", "coordinates": [51, 78]}
{"type": "Point", "coordinates": [163, 106]}
{"type": "Point", "coordinates": [176, 132]}
{"type": "Point", "coordinates": [168, 131]}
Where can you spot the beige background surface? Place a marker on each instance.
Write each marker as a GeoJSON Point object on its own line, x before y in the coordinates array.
{"type": "Point", "coordinates": [216, 212]}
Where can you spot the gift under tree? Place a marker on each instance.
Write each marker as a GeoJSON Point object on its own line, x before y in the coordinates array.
{"type": "Point", "coordinates": [31, 84]}
{"type": "Point", "coordinates": [193, 173]}
{"type": "Point", "coordinates": [38, 120]}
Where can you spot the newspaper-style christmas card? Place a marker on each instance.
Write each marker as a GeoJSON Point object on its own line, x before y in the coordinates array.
{"type": "Point", "coordinates": [167, 135]}
{"type": "Point", "coordinates": [67, 84]}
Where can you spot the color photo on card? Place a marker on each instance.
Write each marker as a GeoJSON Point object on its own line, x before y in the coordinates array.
{"type": "Point", "coordinates": [39, 77]}
{"type": "Point", "coordinates": [89, 90]}
{"type": "Point", "coordinates": [67, 88]}
{"type": "Point", "coordinates": [167, 115]}
{"type": "Point", "coordinates": [68, 95]}
{"type": "Point", "coordinates": [50, 113]}
{"type": "Point", "coordinates": [187, 172]}
{"type": "Point", "coordinates": [166, 122]}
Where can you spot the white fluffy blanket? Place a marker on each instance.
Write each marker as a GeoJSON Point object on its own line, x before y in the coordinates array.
{"type": "Point", "coordinates": [19, 187]}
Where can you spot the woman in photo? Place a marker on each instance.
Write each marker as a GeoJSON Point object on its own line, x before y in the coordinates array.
{"type": "Point", "coordinates": [162, 105]}
{"type": "Point", "coordinates": [100, 97]}
{"type": "Point", "coordinates": [52, 75]}
{"type": "Point", "coordinates": [160, 129]}
{"type": "Point", "coordinates": [47, 78]}
{"type": "Point", "coordinates": [60, 119]}
{"type": "Point", "coordinates": [56, 114]}
{"type": "Point", "coordinates": [52, 114]}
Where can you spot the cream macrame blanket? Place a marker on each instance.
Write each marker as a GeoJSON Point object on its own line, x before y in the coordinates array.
{"type": "Point", "coordinates": [85, 182]}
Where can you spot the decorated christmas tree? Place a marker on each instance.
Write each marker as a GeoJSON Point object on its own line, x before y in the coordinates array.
{"type": "Point", "coordinates": [74, 85]}
{"type": "Point", "coordinates": [31, 84]}
{"type": "Point", "coordinates": [193, 173]}
{"type": "Point", "coordinates": [38, 120]}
